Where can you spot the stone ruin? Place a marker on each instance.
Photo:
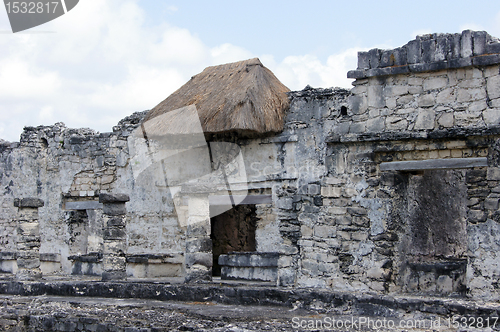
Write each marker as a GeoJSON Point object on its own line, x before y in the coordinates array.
{"type": "Point", "coordinates": [392, 187]}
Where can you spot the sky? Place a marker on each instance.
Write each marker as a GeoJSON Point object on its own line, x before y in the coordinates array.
{"type": "Point", "coordinates": [106, 59]}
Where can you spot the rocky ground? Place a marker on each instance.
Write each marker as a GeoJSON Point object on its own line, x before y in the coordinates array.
{"type": "Point", "coordinates": [44, 313]}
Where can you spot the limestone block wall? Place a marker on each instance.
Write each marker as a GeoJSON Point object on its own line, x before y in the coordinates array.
{"type": "Point", "coordinates": [439, 81]}
{"type": "Point", "coordinates": [68, 169]}
{"type": "Point", "coordinates": [405, 231]}
{"type": "Point", "coordinates": [343, 213]}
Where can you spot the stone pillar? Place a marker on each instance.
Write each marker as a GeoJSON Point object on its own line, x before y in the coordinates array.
{"type": "Point", "coordinates": [199, 259]}
{"type": "Point", "coordinates": [115, 236]}
{"type": "Point", "coordinates": [28, 238]}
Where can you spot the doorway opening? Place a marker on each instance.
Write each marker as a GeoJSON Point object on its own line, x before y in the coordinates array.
{"type": "Point", "coordinates": [434, 235]}
{"type": "Point", "coordinates": [233, 231]}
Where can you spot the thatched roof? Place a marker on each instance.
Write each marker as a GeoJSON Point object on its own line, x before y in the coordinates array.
{"type": "Point", "coordinates": [240, 96]}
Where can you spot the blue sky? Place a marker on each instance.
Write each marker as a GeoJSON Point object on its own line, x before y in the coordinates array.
{"type": "Point", "coordinates": [108, 58]}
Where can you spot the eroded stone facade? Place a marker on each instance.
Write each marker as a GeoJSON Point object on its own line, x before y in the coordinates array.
{"type": "Point", "coordinates": [392, 187]}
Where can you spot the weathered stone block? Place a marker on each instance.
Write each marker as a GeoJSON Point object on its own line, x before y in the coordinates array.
{"type": "Point", "coordinates": [427, 283]}
{"type": "Point", "coordinates": [325, 231]}
{"type": "Point", "coordinates": [344, 220]}
{"type": "Point", "coordinates": [199, 229]}
{"type": "Point", "coordinates": [396, 123]}
{"type": "Point", "coordinates": [444, 284]}
{"type": "Point", "coordinates": [114, 275]}
{"type": "Point", "coordinates": [479, 42]}
{"type": "Point", "coordinates": [491, 116]}
{"type": "Point", "coordinates": [113, 198]}
{"type": "Point", "coordinates": [493, 87]}
{"type": "Point", "coordinates": [357, 211]}
{"type": "Point", "coordinates": [318, 200]}
{"type": "Point", "coordinates": [28, 202]}
{"type": "Point", "coordinates": [493, 48]}
{"type": "Point", "coordinates": [306, 231]}
{"type": "Point", "coordinates": [27, 214]}
{"type": "Point", "coordinates": [114, 209]}
{"type": "Point", "coordinates": [198, 273]}
{"type": "Point", "coordinates": [115, 247]}
{"type": "Point", "coordinates": [284, 203]}
{"type": "Point", "coordinates": [493, 174]}
{"type": "Point", "coordinates": [425, 119]}
{"type": "Point", "coordinates": [331, 191]}
{"type": "Point", "coordinates": [466, 119]}
{"type": "Point", "coordinates": [395, 90]}
{"type": "Point", "coordinates": [428, 50]}
{"type": "Point", "coordinates": [199, 245]}
{"type": "Point", "coordinates": [476, 216]}
{"type": "Point", "coordinates": [375, 55]}
{"type": "Point", "coordinates": [199, 206]}
{"type": "Point", "coordinates": [28, 263]}
{"type": "Point", "coordinates": [29, 229]}
{"type": "Point", "coordinates": [114, 233]}
{"type": "Point", "coordinates": [433, 83]}
{"type": "Point", "coordinates": [491, 203]}
{"type": "Point", "coordinates": [359, 236]}
{"type": "Point", "coordinates": [376, 124]}
{"type": "Point", "coordinates": [446, 120]}
{"type": "Point", "coordinates": [426, 100]}
{"type": "Point", "coordinates": [199, 258]}
{"type": "Point", "coordinates": [363, 60]}
{"type": "Point", "coordinates": [375, 96]}
{"type": "Point", "coordinates": [119, 221]}
{"type": "Point", "coordinates": [358, 128]}
{"type": "Point", "coordinates": [114, 262]}
{"type": "Point", "coordinates": [286, 277]}
{"type": "Point", "coordinates": [414, 52]}
{"type": "Point", "coordinates": [466, 44]}
{"type": "Point", "coordinates": [28, 274]}
{"type": "Point", "coordinates": [313, 189]}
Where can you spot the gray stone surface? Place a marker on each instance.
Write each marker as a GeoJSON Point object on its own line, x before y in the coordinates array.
{"type": "Point", "coordinates": [113, 198]}
{"type": "Point", "coordinates": [28, 202]}
{"type": "Point", "coordinates": [430, 53]}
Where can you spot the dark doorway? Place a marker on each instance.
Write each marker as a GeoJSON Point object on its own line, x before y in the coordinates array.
{"type": "Point", "coordinates": [233, 231]}
{"type": "Point", "coordinates": [434, 239]}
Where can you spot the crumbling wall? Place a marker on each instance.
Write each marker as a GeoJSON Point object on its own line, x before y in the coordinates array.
{"type": "Point", "coordinates": [68, 168]}
{"type": "Point", "coordinates": [436, 98]}
{"type": "Point", "coordinates": [333, 196]}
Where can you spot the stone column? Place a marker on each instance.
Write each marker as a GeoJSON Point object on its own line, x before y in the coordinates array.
{"type": "Point", "coordinates": [199, 259]}
{"type": "Point", "coordinates": [115, 236]}
{"type": "Point", "coordinates": [28, 238]}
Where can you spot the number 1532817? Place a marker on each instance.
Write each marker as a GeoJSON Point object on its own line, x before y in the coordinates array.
{"type": "Point", "coordinates": [31, 7]}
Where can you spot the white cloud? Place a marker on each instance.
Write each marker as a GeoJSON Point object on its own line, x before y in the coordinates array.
{"type": "Point", "coordinates": [419, 32]}
{"type": "Point", "coordinates": [472, 26]}
{"type": "Point", "coordinates": [226, 53]}
{"type": "Point", "coordinates": [103, 63]}
{"type": "Point", "coordinates": [495, 27]}
{"type": "Point", "coordinates": [298, 71]}
{"type": "Point", "coordinates": [172, 9]}
{"type": "Point", "coordinates": [17, 78]}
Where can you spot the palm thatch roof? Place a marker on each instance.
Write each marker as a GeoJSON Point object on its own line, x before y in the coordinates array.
{"type": "Point", "coordinates": [240, 96]}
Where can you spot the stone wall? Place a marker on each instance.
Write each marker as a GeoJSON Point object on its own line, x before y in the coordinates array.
{"type": "Point", "coordinates": [68, 169]}
{"type": "Point", "coordinates": [441, 106]}
{"type": "Point", "coordinates": [392, 187]}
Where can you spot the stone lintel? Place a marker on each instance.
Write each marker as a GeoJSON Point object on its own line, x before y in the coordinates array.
{"type": "Point", "coordinates": [430, 164]}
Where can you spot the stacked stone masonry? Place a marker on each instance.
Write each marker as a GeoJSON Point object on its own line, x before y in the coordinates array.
{"type": "Point", "coordinates": [341, 215]}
